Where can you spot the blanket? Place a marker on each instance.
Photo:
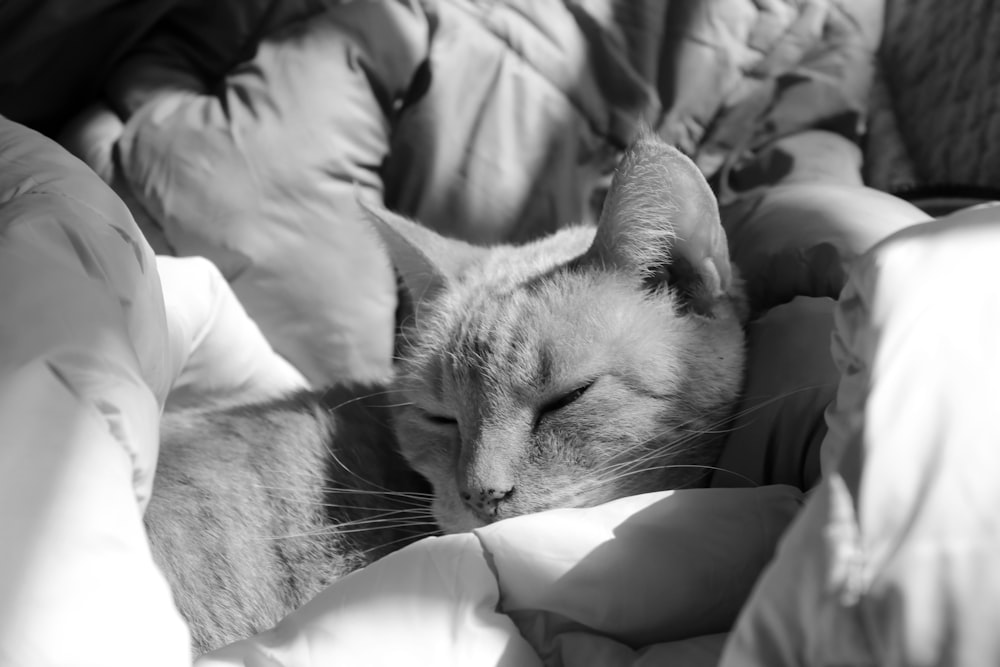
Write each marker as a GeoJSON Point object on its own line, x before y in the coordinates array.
{"type": "Point", "coordinates": [238, 130]}
{"type": "Point", "coordinates": [99, 333]}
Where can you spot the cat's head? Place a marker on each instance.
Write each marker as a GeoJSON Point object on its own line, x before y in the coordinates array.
{"type": "Point", "coordinates": [576, 369]}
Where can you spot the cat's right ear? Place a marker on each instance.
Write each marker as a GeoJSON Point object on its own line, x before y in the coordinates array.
{"type": "Point", "coordinates": [426, 262]}
{"type": "Point", "coordinates": [661, 223]}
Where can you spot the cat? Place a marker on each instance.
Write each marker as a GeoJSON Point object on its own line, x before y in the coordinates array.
{"type": "Point", "coordinates": [585, 366]}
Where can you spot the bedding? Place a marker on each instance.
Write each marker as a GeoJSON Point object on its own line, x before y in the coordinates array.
{"type": "Point", "coordinates": [943, 100]}
{"type": "Point", "coordinates": [96, 335]}
{"type": "Point", "coordinates": [98, 332]}
{"type": "Point", "coordinates": [893, 559]}
{"type": "Point", "coordinates": [238, 130]}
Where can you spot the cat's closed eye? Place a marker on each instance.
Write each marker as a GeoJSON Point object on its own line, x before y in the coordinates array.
{"type": "Point", "coordinates": [438, 419]}
{"type": "Point", "coordinates": [564, 400]}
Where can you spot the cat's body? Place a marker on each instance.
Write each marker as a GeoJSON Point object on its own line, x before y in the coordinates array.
{"type": "Point", "coordinates": [257, 508]}
{"type": "Point", "coordinates": [589, 365]}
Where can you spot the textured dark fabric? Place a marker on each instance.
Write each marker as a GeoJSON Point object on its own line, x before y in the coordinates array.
{"type": "Point", "coordinates": [56, 55]}
{"type": "Point", "coordinates": [941, 62]}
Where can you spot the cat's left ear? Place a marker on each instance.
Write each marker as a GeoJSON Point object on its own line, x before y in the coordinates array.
{"type": "Point", "coordinates": [425, 261]}
{"type": "Point", "coordinates": [661, 222]}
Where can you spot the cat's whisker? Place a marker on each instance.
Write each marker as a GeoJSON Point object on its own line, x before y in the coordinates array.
{"type": "Point", "coordinates": [607, 481]}
{"type": "Point", "coordinates": [414, 510]}
{"type": "Point", "coordinates": [347, 526]}
{"type": "Point", "coordinates": [672, 448]}
{"type": "Point", "coordinates": [415, 504]}
{"type": "Point", "coordinates": [336, 459]}
{"type": "Point", "coordinates": [712, 428]}
{"type": "Point", "coordinates": [398, 498]}
{"type": "Point", "coordinates": [654, 447]}
{"type": "Point", "coordinates": [406, 539]}
{"type": "Point", "coordinates": [338, 530]}
{"type": "Point", "coordinates": [414, 495]}
{"type": "Point", "coordinates": [362, 397]}
{"type": "Point", "coordinates": [759, 403]}
{"type": "Point", "coordinates": [767, 399]}
{"type": "Point", "coordinates": [346, 468]}
{"type": "Point", "coordinates": [311, 477]}
{"type": "Point", "coordinates": [614, 472]}
{"type": "Point", "coordinates": [381, 391]}
{"type": "Point", "coordinates": [395, 526]}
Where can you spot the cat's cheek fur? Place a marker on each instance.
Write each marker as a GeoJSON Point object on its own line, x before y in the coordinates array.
{"type": "Point", "coordinates": [451, 514]}
{"type": "Point", "coordinates": [625, 309]}
{"type": "Point", "coordinates": [426, 449]}
{"type": "Point", "coordinates": [431, 451]}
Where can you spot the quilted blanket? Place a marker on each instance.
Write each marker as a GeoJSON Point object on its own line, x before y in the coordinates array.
{"type": "Point", "coordinates": [99, 335]}
{"type": "Point", "coordinates": [238, 131]}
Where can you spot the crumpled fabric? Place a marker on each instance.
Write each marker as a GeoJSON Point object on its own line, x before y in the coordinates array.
{"type": "Point", "coordinates": [92, 343]}
{"type": "Point", "coordinates": [238, 130]}
{"type": "Point", "coordinates": [639, 579]}
{"type": "Point", "coordinates": [893, 559]}
{"type": "Point", "coordinates": [84, 364]}
{"type": "Point", "coordinates": [91, 350]}
{"type": "Point", "coordinates": [99, 334]}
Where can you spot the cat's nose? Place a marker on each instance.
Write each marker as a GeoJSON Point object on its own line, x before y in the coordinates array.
{"type": "Point", "coordinates": [486, 502]}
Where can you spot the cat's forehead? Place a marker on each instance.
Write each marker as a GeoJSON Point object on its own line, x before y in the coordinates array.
{"type": "Point", "coordinates": [506, 266]}
{"type": "Point", "coordinates": [522, 318]}
{"type": "Point", "coordinates": [558, 328]}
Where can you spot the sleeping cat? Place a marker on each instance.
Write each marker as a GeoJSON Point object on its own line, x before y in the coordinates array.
{"type": "Point", "coordinates": [586, 366]}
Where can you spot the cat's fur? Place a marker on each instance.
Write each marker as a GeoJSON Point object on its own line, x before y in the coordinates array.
{"type": "Point", "coordinates": [586, 366]}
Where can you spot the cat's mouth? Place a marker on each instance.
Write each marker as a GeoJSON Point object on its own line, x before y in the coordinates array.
{"type": "Point", "coordinates": [455, 516]}
{"type": "Point", "coordinates": [463, 522]}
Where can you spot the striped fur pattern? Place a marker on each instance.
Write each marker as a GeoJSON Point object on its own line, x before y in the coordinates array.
{"type": "Point", "coordinates": [586, 366]}
{"type": "Point", "coordinates": [257, 508]}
